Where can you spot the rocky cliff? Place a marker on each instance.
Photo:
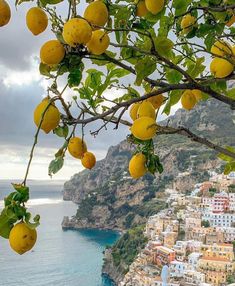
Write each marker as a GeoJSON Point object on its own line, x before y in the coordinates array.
{"type": "Point", "coordinates": [109, 198]}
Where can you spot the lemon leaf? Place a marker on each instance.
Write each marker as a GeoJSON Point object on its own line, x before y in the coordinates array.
{"type": "Point", "coordinates": [55, 165]}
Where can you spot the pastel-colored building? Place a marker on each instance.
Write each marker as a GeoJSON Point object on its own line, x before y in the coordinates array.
{"type": "Point", "coordinates": [164, 255]}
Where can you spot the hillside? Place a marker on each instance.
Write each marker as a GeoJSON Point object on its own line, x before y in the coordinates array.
{"type": "Point", "coordinates": [109, 198]}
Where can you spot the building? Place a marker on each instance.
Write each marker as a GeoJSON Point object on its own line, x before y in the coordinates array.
{"type": "Point", "coordinates": [223, 250]}
{"type": "Point", "coordinates": [164, 255]}
{"type": "Point", "coordinates": [193, 259]}
{"type": "Point", "coordinates": [180, 249]}
{"type": "Point", "coordinates": [192, 277]}
{"type": "Point", "coordinates": [177, 269]}
{"type": "Point", "coordinates": [219, 219]}
{"type": "Point", "coordinates": [228, 233]}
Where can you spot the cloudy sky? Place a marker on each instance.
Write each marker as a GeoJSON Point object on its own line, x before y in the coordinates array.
{"type": "Point", "coordinates": [21, 89]}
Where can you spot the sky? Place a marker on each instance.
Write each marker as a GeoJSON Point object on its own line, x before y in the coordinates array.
{"type": "Point", "coordinates": [21, 90]}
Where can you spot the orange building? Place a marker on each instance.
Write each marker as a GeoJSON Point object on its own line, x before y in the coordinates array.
{"type": "Point", "coordinates": [163, 255]}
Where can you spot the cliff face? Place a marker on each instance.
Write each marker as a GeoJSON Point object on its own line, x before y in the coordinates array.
{"type": "Point", "coordinates": [109, 198]}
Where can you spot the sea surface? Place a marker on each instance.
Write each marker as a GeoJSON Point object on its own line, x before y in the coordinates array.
{"type": "Point", "coordinates": [61, 258]}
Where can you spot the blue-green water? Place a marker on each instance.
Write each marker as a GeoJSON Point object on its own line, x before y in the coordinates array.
{"type": "Point", "coordinates": [61, 258]}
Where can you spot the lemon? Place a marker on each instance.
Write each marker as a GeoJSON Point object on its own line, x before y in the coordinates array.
{"type": "Point", "coordinates": [187, 23]}
{"type": "Point", "coordinates": [133, 110]}
{"type": "Point", "coordinates": [144, 128]}
{"type": "Point", "coordinates": [51, 117]}
{"type": "Point", "coordinates": [88, 160]}
{"type": "Point", "coordinates": [137, 166]}
{"type": "Point", "coordinates": [77, 147]}
{"type": "Point", "coordinates": [188, 100]}
{"type": "Point", "coordinates": [52, 52]}
{"type": "Point", "coordinates": [221, 48]}
{"type": "Point", "coordinates": [5, 13]}
{"type": "Point", "coordinates": [221, 68]}
{"type": "Point", "coordinates": [157, 100]}
{"type": "Point", "coordinates": [154, 6]}
{"type": "Point", "coordinates": [22, 238]}
{"type": "Point", "coordinates": [146, 109]}
{"type": "Point", "coordinates": [98, 43]}
{"type": "Point", "coordinates": [197, 93]}
{"type": "Point", "coordinates": [96, 13]}
{"type": "Point", "coordinates": [36, 20]}
{"type": "Point", "coordinates": [141, 9]}
{"type": "Point", "coordinates": [77, 31]}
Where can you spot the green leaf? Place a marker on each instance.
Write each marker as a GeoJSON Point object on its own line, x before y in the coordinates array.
{"type": "Point", "coordinates": [163, 45]}
{"type": "Point", "coordinates": [144, 67]}
{"type": "Point", "coordinates": [55, 165]}
{"type": "Point", "coordinates": [44, 70]}
{"type": "Point", "coordinates": [61, 131]}
{"type": "Point", "coordinates": [173, 76]}
{"type": "Point", "coordinates": [174, 97]}
{"type": "Point", "coordinates": [74, 78]}
{"type": "Point", "coordinates": [36, 219]}
{"type": "Point", "coordinates": [231, 93]}
{"type": "Point", "coordinates": [195, 69]}
{"type": "Point", "coordinates": [22, 194]}
{"type": "Point", "coordinates": [226, 157]}
{"type": "Point", "coordinates": [180, 6]}
{"type": "Point", "coordinates": [7, 220]}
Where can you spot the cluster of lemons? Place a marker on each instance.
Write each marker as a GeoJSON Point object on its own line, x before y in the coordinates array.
{"type": "Point", "coordinates": [143, 7]}
{"type": "Point", "coordinates": [144, 127]}
{"type": "Point", "coordinates": [223, 62]}
{"type": "Point", "coordinates": [51, 119]}
{"type": "Point", "coordinates": [83, 31]}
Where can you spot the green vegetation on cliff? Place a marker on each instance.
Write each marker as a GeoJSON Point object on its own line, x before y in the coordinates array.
{"type": "Point", "coordinates": [128, 246]}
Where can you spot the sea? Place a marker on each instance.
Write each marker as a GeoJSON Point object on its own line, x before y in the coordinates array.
{"type": "Point", "coordinates": [60, 258]}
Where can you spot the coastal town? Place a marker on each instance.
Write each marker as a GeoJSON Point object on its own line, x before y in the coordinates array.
{"type": "Point", "coordinates": [193, 240]}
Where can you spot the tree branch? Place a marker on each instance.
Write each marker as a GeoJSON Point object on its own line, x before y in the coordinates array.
{"type": "Point", "coordinates": [187, 133]}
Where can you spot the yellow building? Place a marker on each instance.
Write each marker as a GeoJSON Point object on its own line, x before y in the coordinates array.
{"type": "Point", "coordinates": [223, 250]}
{"type": "Point", "coordinates": [216, 269]}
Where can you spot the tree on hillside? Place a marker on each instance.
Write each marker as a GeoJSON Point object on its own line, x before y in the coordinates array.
{"type": "Point", "coordinates": [157, 52]}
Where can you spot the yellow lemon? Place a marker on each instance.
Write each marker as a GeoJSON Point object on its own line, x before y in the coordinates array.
{"type": "Point", "coordinates": [144, 128]}
{"type": "Point", "coordinates": [187, 23]}
{"type": "Point", "coordinates": [146, 109]}
{"type": "Point", "coordinates": [51, 117]}
{"type": "Point", "coordinates": [96, 13]}
{"type": "Point", "coordinates": [88, 160]}
{"type": "Point", "coordinates": [221, 68]}
{"type": "Point", "coordinates": [221, 48]}
{"type": "Point", "coordinates": [133, 110]}
{"type": "Point", "coordinates": [77, 147]}
{"type": "Point", "coordinates": [22, 238]}
{"type": "Point", "coordinates": [98, 43]}
{"type": "Point", "coordinates": [157, 100]}
{"type": "Point", "coordinates": [137, 166]}
{"type": "Point", "coordinates": [197, 93]}
{"type": "Point", "coordinates": [141, 9]}
{"type": "Point", "coordinates": [5, 13]}
{"type": "Point", "coordinates": [77, 31]}
{"type": "Point", "coordinates": [154, 6]}
{"type": "Point", "coordinates": [52, 52]}
{"type": "Point", "coordinates": [188, 100]}
{"type": "Point", "coordinates": [36, 20]}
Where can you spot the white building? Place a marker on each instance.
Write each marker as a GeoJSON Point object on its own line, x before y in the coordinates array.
{"type": "Point", "coordinates": [219, 219]}
{"type": "Point", "coordinates": [229, 233]}
{"type": "Point", "coordinates": [232, 201]}
{"type": "Point", "coordinates": [193, 259]}
{"type": "Point", "coordinates": [194, 278]}
{"type": "Point", "coordinates": [177, 269]}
